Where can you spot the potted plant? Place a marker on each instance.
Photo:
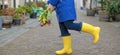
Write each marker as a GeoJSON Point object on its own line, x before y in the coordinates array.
{"type": "Point", "coordinates": [32, 5]}
{"type": "Point", "coordinates": [91, 11]}
{"type": "Point", "coordinates": [103, 12]}
{"type": "Point", "coordinates": [103, 15]}
{"type": "Point", "coordinates": [7, 17]}
{"type": "Point", "coordinates": [21, 10]}
{"type": "Point", "coordinates": [114, 10]}
{"type": "Point", "coordinates": [34, 9]}
{"type": "Point", "coordinates": [17, 19]}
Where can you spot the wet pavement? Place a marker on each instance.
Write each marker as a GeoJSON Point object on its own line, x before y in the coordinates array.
{"type": "Point", "coordinates": [45, 40]}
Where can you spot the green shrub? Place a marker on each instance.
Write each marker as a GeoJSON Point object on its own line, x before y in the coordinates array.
{"type": "Point", "coordinates": [41, 4]}
{"type": "Point", "coordinates": [27, 9]}
{"type": "Point", "coordinates": [19, 10]}
{"type": "Point", "coordinates": [114, 7]}
{"type": "Point", "coordinates": [17, 16]}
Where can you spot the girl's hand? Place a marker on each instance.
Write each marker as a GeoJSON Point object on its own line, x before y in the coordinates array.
{"type": "Point", "coordinates": [50, 7]}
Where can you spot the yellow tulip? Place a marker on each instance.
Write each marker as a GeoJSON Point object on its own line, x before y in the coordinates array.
{"type": "Point", "coordinates": [44, 20]}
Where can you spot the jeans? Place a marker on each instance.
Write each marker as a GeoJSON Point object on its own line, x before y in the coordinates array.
{"type": "Point", "coordinates": [69, 25]}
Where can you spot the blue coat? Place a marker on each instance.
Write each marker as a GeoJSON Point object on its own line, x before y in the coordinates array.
{"type": "Point", "coordinates": [65, 9]}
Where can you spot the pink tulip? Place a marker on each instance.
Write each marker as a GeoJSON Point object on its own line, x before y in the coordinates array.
{"type": "Point", "coordinates": [41, 24]}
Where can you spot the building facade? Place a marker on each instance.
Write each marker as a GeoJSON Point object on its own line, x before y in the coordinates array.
{"type": "Point", "coordinates": [15, 3]}
{"type": "Point", "coordinates": [87, 3]}
{"type": "Point", "coordinates": [92, 3]}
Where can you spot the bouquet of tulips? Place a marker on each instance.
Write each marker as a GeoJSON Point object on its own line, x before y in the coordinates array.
{"type": "Point", "coordinates": [45, 18]}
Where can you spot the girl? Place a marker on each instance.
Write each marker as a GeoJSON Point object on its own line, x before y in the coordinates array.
{"type": "Point", "coordinates": [66, 14]}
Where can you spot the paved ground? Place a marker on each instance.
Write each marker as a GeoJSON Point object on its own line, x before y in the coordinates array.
{"type": "Point", "coordinates": [31, 39]}
{"type": "Point", "coordinates": [9, 34]}
{"type": "Point", "coordinates": [45, 41]}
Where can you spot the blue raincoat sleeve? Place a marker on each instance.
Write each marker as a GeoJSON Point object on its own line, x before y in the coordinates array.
{"type": "Point", "coordinates": [53, 2]}
{"type": "Point", "coordinates": [65, 9]}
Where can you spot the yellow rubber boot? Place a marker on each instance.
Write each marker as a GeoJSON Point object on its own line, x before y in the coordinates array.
{"type": "Point", "coordinates": [95, 31]}
{"type": "Point", "coordinates": [67, 49]}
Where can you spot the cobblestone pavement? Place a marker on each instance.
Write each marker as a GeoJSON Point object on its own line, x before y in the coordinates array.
{"type": "Point", "coordinates": [45, 40]}
{"type": "Point", "coordinates": [9, 34]}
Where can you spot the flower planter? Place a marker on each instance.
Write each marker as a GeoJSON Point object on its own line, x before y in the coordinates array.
{"type": "Point", "coordinates": [7, 21]}
{"type": "Point", "coordinates": [103, 17]}
{"type": "Point", "coordinates": [117, 17]}
{"type": "Point", "coordinates": [90, 12]}
{"type": "Point", "coordinates": [16, 21]}
{"type": "Point", "coordinates": [33, 15]}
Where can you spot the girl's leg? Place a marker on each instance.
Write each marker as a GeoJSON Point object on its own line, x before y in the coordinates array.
{"type": "Point", "coordinates": [66, 38]}
{"type": "Point", "coordinates": [95, 31]}
{"type": "Point", "coordinates": [73, 26]}
{"type": "Point", "coordinates": [84, 27]}
{"type": "Point", "coordinates": [63, 29]}
{"type": "Point", "coordinates": [67, 45]}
